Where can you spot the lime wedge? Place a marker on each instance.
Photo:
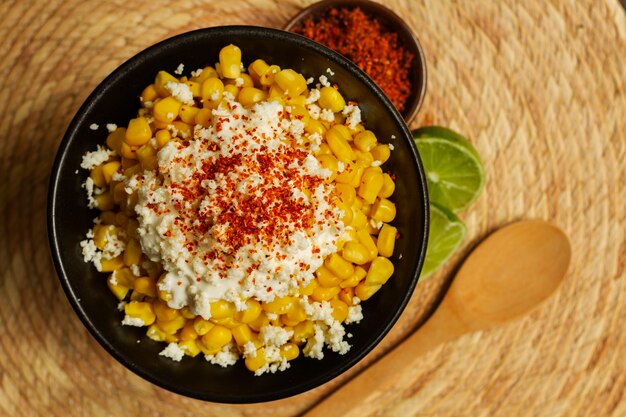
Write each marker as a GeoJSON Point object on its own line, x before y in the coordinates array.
{"type": "Point", "coordinates": [447, 232]}
{"type": "Point", "coordinates": [454, 173]}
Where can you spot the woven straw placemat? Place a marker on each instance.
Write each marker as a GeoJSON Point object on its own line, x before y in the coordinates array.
{"type": "Point", "coordinates": [539, 87]}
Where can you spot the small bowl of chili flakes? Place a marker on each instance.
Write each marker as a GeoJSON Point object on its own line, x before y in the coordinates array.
{"type": "Point", "coordinates": [376, 39]}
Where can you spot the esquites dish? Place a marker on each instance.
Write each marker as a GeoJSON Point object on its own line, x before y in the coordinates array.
{"type": "Point", "coordinates": [243, 214]}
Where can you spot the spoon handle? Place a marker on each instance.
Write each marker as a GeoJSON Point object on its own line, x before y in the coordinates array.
{"type": "Point", "coordinates": [357, 396]}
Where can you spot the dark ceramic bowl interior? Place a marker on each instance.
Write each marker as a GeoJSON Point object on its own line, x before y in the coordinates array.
{"type": "Point", "coordinates": [115, 100]}
{"type": "Point", "coordinates": [394, 23]}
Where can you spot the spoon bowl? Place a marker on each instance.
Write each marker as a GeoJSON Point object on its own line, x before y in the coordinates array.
{"type": "Point", "coordinates": [507, 275]}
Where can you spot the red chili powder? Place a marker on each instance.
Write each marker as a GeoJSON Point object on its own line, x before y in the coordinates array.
{"type": "Point", "coordinates": [369, 44]}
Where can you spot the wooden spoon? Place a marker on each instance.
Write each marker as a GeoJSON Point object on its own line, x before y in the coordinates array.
{"type": "Point", "coordinates": [508, 274]}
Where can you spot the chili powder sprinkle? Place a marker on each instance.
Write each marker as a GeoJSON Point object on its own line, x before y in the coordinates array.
{"type": "Point", "coordinates": [369, 44]}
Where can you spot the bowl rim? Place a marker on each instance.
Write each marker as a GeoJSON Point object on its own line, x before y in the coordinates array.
{"type": "Point", "coordinates": [53, 232]}
{"type": "Point", "coordinates": [386, 13]}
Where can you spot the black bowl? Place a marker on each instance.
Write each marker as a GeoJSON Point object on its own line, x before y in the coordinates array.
{"type": "Point", "coordinates": [115, 100]}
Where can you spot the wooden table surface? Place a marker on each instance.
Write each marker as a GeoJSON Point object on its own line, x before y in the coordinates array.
{"type": "Point", "coordinates": [540, 88]}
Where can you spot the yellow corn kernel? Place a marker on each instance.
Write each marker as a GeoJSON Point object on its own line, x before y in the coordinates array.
{"type": "Point", "coordinates": [256, 70]}
{"type": "Point", "coordinates": [190, 347]}
{"type": "Point", "coordinates": [329, 162]}
{"type": "Point", "coordinates": [207, 72]}
{"type": "Point", "coordinates": [253, 363]}
{"type": "Point", "coordinates": [383, 210]}
{"type": "Point", "coordinates": [230, 61]}
{"type": "Point", "coordinates": [296, 315]}
{"type": "Point", "coordinates": [138, 132]}
{"type": "Point", "coordinates": [364, 291]}
{"type": "Point", "coordinates": [120, 291]}
{"type": "Point", "coordinates": [101, 235]}
{"type": "Point", "coordinates": [339, 145]}
{"type": "Point", "coordinates": [347, 295]}
{"type": "Point", "coordinates": [324, 149]}
{"type": "Point", "coordinates": [229, 322]}
{"type": "Point", "coordinates": [166, 110]}
{"type": "Point", "coordinates": [171, 326]}
{"type": "Point", "coordinates": [132, 253]}
{"type": "Point", "coordinates": [339, 266]}
{"type": "Point", "coordinates": [346, 193]}
{"type": "Point", "coordinates": [146, 286]}
{"type": "Point", "coordinates": [186, 313]}
{"type": "Point", "coordinates": [217, 337]}
{"type": "Point", "coordinates": [128, 163]}
{"type": "Point", "coordinates": [347, 176]}
{"type": "Point", "coordinates": [331, 99]}
{"type": "Point", "coordinates": [291, 82]}
{"type": "Point", "coordinates": [280, 305]}
{"type": "Point", "coordinates": [188, 114]}
{"type": "Point", "coordinates": [267, 79]}
{"type": "Point", "coordinates": [115, 139]}
{"type": "Point", "coordinates": [109, 169]}
{"type": "Point", "coordinates": [388, 187]}
{"type": "Point", "coordinates": [300, 113]}
{"type": "Point", "coordinates": [309, 288]}
{"type": "Point", "coordinates": [162, 137]}
{"type": "Point", "coordinates": [232, 89]}
{"type": "Point", "coordinates": [289, 351]}
{"type": "Point", "coordinates": [124, 277]}
{"type": "Point", "coordinates": [242, 334]}
{"type": "Point", "coordinates": [140, 310]}
{"type": "Point", "coordinates": [365, 141]}
{"type": "Point", "coordinates": [97, 177]}
{"type": "Point", "coordinates": [251, 313]}
{"type": "Point", "coordinates": [386, 240]}
{"type": "Point", "coordinates": [359, 168]}
{"type": "Point", "coordinates": [275, 92]}
{"type": "Point", "coordinates": [202, 326]}
{"type": "Point", "coordinates": [107, 218]}
{"type": "Point", "coordinates": [147, 157]}
{"type": "Point", "coordinates": [250, 95]}
{"type": "Point", "coordinates": [365, 158]}
{"type": "Point", "coordinates": [325, 293]}
{"type": "Point", "coordinates": [188, 332]}
{"type": "Point", "coordinates": [296, 101]}
{"type": "Point", "coordinates": [355, 278]}
{"type": "Point", "coordinates": [160, 80]}
{"type": "Point", "coordinates": [165, 295]}
{"type": "Point", "coordinates": [302, 331]}
{"type": "Point", "coordinates": [195, 88]}
{"type": "Point", "coordinates": [221, 309]}
{"type": "Point", "coordinates": [340, 310]}
{"type": "Point", "coordinates": [259, 322]}
{"type": "Point", "coordinates": [346, 210]}
{"type": "Point", "coordinates": [381, 153]}
{"type": "Point", "coordinates": [149, 94]}
{"type": "Point", "coordinates": [371, 184]}
{"type": "Point", "coordinates": [355, 253]}
{"type": "Point", "coordinates": [204, 117]}
{"type": "Point", "coordinates": [326, 278]}
{"type": "Point", "coordinates": [156, 334]}
{"type": "Point", "coordinates": [183, 130]}
{"type": "Point", "coordinates": [110, 265]}
{"type": "Point", "coordinates": [212, 91]}
{"type": "Point", "coordinates": [104, 201]}
{"type": "Point", "coordinates": [315, 126]}
{"type": "Point", "coordinates": [165, 312]}
{"type": "Point", "coordinates": [128, 152]}
{"type": "Point", "coordinates": [380, 271]}
{"type": "Point", "coordinates": [366, 240]}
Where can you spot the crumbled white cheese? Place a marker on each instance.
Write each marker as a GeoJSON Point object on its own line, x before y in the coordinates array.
{"type": "Point", "coordinates": [330, 72]}
{"type": "Point", "coordinates": [391, 147]}
{"type": "Point", "coordinates": [393, 136]}
{"type": "Point", "coordinates": [133, 321]}
{"type": "Point", "coordinates": [355, 314]}
{"type": "Point", "coordinates": [310, 80]}
{"type": "Point", "coordinates": [353, 115]}
{"type": "Point", "coordinates": [111, 127]}
{"type": "Point", "coordinates": [314, 95]}
{"type": "Point", "coordinates": [121, 305]}
{"type": "Point", "coordinates": [324, 81]}
{"type": "Point", "coordinates": [327, 115]}
{"type": "Point", "coordinates": [376, 163]}
{"type": "Point", "coordinates": [239, 82]}
{"type": "Point", "coordinates": [181, 92]}
{"type": "Point", "coordinates": [94, 126]}
{"type": "Point", "coordinates": [135, 270]}
{"type": "Point", "coordinates": [226, 357]}
{"type": "Point", "coordinates": [179, 69]}
{"type": "Point", "coordinates": [197, 72]}
{"type": "Point", "coordinates": [249, 350]}
{"type": "Point", "coordinates": [274, 335]}
{"type": "Point", "coordinates": [94, 158]}
{"type": "Point", "coordinates": [173, 351]}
